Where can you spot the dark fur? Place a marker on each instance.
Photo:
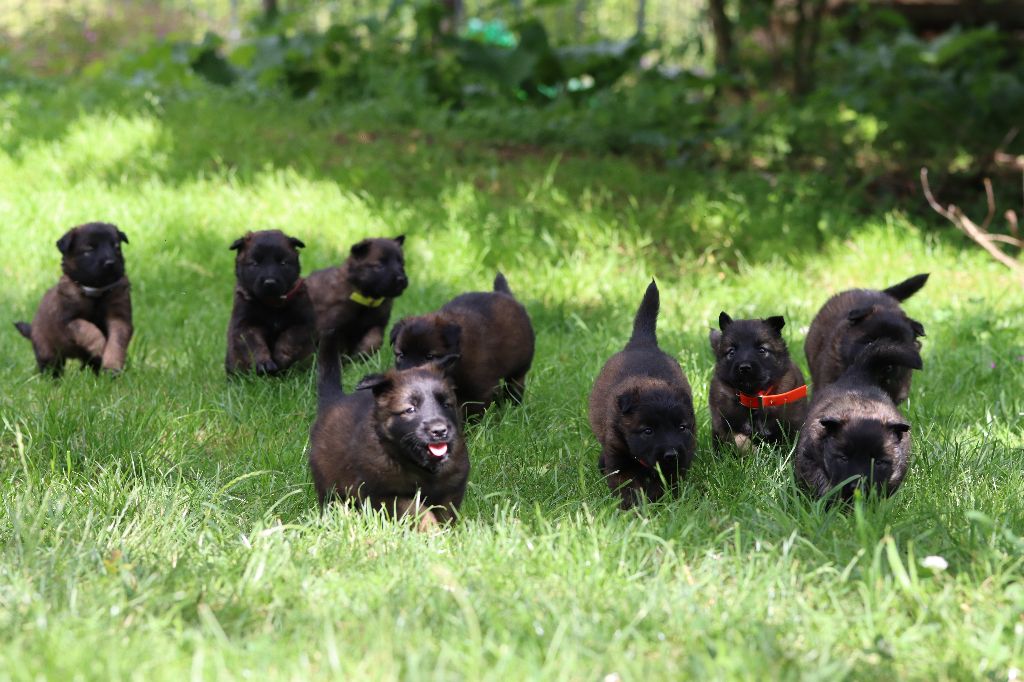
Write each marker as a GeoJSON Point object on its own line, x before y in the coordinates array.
{"type": "Point", "coordinates": [272, 325]}
{"type": "Point", "coordinates": [849, 321]}
{"type": "Point", "coordinates": [641, 410]}
{"type": "Point", "coordinates": [751, 356]}
{"type": "Point", "coordinates": [88, 314]}
{"type": "Point", "coordinates": [854, 428]}
{"type": "Point", "coordinates": [365, 447]}
{"type": "Point", "coordinates": [491, 331]}
{"type": "Point", "coordinates": [375, 268]}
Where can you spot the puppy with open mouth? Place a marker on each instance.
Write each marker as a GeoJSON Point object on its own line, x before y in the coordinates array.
{"type": "Point", "coordinates": [641, 411]}
{"type": "Point", "coordinates": [489, 331]}
{"type": "Point", "coordinates": [354, 300]}
{"type": "Point", "coordinates": [272, 324]}
{"type": "Point", "coordinates": [757, 392]}
{"type": "Point", "coordinates": [395, 444]}
{"type": "Point", "coordinates": [87, 316]}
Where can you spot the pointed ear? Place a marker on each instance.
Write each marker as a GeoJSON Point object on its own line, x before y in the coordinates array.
{"type": "Point", "coordinates": [899, 428]}
{"type": "Point", "coordinates": [400, 239]}
{"type": "Point", "coordinates": [65, 243]}
{"type": "Point", "coordinates": [239, 243]}
{"type": "Point", "coordinates": [296, 243]}
{"type": "Point", "coordinates": [360, 249]}
{"type": "Point", "coordinates": [776, 322]}
{"type": "Point", "coordinates": [715, 338]}
{"type": "Point", "coordinates": [626, 402]}
{"type": "Point", "coordinates": [724, 321]}
{"type": "Point", "coordinates": [447, 363]}
{"type": "Point", "coordinates": [917, 327]}
{"type": "Point", "coordinates": [378, 383]}
{"type": "Point", "coordinates": [452, 335]}
{"type": "Point", "coordinates": [831, 424]}
{"type": "Point", "coordinates": [396, 329]}
{"type": "Point", "coordinates": [858, 314]}
{"type": "Point", "coordinates": [122, 236]}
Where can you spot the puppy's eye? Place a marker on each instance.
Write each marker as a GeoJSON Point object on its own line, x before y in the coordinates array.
{"type": "Point", "coordinates": [648, 431]}
{"type": "Point", "coordinates": [430, 356]}
{"type": "Point", "coordinates": [762, 350]}
{"type": "Point", "coordinates": [731, 352]}
{"type": "Point", "coordinates": [409, 410]}
{"type": "Point", "coordinates": [684, 427]}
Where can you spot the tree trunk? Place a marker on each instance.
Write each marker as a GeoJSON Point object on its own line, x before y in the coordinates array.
{"type": "Point", "coordinates": [721, 26]}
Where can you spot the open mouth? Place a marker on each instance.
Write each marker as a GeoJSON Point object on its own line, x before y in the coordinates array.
{"type": "Point", "coordinates": [437, 451]}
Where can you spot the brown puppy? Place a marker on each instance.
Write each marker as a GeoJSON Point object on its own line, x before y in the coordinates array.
{"type": "Point", "coordinates": [272, 322]}
{"type": "Point", "coordinates": [88, 314]}
{"type": "Point", "coordinates": [355, 299]}
{"type": "Point", "coordinates": [757, 392]}
{"type": "Point", "coordinates": [854, 436]}
{"type": "Point", "coordinates": [849, 321]}
{"type": "Point", "coordinates": [396, 443]}
{"type": "Point", "coordinates": [641, 410]}
{"type": "Point", "coordinates": [490, 331]}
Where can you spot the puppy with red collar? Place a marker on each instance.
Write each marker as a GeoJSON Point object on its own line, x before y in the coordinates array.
{"type": "Point", "coordinates": [88, 314]}
{"type": "Point", "coordinates": [757, 392]}
{"type": "Point", "coordinates": [273, 325]}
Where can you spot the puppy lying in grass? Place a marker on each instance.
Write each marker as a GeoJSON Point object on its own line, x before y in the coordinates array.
{"type": "Point", "coordinates": [272, 321]}
{"type": "Point", "coordinates": [489, 331]}
{"type": "Point", "coordinates": [854, 430]}
{"type": "Point", "coordinates": [396, 443]}
{"type": "Point", "coordinates": [757, 392]}
{"type": "Point", "coordinates": [355, 299]}
{"type": "Point", "coordinates": [87, 315]}
{"type": "Point", "coordinates": [851, 320]}
{"type": "Point", "coordinates": [641, 410]}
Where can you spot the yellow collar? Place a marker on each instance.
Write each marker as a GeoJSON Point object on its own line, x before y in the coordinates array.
{"type": "Point", "coordinates": [366, 300]}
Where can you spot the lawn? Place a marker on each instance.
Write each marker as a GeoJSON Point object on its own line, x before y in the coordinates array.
{"type": "Point", "coordinates": [163, 523]}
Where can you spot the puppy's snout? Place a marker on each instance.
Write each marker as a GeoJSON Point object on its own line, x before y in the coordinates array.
{"type": "Point", "coordinates": [745, 368]}
{"type": "Point", "coordinates": [402, 279]}
{"type": "Point", "coordinates": [439, 432]}
{"type": "Point", "coordinates": [672, 452]}
{"type": "Point", "coordinates": [109, 263]}
{"type": "Point", "coordinates": [270, 281]}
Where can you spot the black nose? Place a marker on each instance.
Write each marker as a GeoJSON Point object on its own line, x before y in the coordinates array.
{"type": "Point", "coordinates": [671, 452]}
{"type": "Point", "coordinates": [109, 263]}
{"type": "Point", "coordinates": [269, 282]}
{"type": "Point", "coordinates": [745, 368]}
{"type": "Point", "coordinates": [402, 279]}
{"type": "Point", "coordinates": [439, 433]}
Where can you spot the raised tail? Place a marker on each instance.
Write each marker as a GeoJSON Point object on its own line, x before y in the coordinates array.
{"type": "Point", "coordinates": [877, 356]}
{"type": "Point", "coordinates": [907, 288]}
{"type": "Point", "coordinates": [646, 321]}
{"type": "Point", "coordinates": [328, 365]}
{"type": "Point", "coordinates": [501, 284]}
{"type": "Point", "coordinates": [25, 329]}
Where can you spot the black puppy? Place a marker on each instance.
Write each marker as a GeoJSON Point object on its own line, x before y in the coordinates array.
{"type": "Point", "coordinates": [850, 320]}
{"type": "Point", "coordinates": [641, 410]}
{"type": "Point", "coordinates": [395, 444]}
{"type": "Point", "coordinates": [355, 299]}
{"type": "Point", "coordinates": [88, 314]}
{"type": "Point", "coordinates": [272, 322]}
{"type": "Point", "coordinates": [757, 391]}
{"type": "Point", "coordinates": [854, 430]}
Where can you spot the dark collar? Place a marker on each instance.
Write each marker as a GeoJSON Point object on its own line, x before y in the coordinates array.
{"type": "Point", "coordinates": [95, 292]}
{"type": "Point", "coordinates": [300, 285]}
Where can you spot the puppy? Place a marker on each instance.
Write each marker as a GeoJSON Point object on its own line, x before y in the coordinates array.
{"type": "Point", "coordinates": [396, 443]}
{"type": "Point", "coordinates": [490, 331]}
{"type": "Point", "coordinates": [757, 391]}
{"type": "Point", "coordinates": [849, 321]}
{"type": "Point", "coordinates": [88, 314]}
{"type": "Point", "coordinates": [272, 324]}
{"type": "Point", "coordinates": [641, 410]}
{"type": "Point", "coordinates": [853, 429]}
{"type": "Point", "coordinates": [355, 299]}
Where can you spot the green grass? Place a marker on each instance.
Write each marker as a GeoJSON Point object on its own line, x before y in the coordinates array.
{"type": "Point", "coordinates": [163, 524]}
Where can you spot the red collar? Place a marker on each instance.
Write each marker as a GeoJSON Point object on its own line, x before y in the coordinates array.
{"type": "Point", "coordinates": [284, 298]}
{"type": "Point", "coordinates": [765, 398]}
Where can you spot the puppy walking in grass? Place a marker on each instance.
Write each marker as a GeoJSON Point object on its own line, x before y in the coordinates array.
{"type": "Point", "coordinates": [396, 443]}
{"type": "Point", "coordinates": [272, 324]}
{"type": "Point", "coordinates": [851, 320]}
{"type": "Point", "coordinates": [88, 314]}
{"type": "Point", "coordinates": [489, 331]}
{"type": "Point", "coordinates": [854, 430]}
{"type": "Point", "coordinates": [757, 392]}
{"type": "Point", "coordinates": [641, 410]}
{"type": "Point", "coordinates": [354, 300]}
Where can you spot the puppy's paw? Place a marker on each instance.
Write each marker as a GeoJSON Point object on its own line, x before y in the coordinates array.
{"type": "Point", "coordinates": [267, 367]}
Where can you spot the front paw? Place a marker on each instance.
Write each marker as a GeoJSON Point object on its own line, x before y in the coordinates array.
{"type": "Point", "coordinates": [267, 367]}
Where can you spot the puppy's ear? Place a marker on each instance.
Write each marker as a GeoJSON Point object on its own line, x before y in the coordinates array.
{"type": "Point", "coordinates": [626, 402]}
{"type": "Point", "coordinates": [776, 322]}
{"type": "Point", "coordinates": [378, 383]}
{"type": "Point", "coordinates": [400, 239]}
{"type": "Point", "coordinates": [917, 327]}
{"type": "Point", "coordinates": [360, 249]}
{"type": "Point", "coordinates": [239, 243]}
{"type": "Point", "coordinates": [899, 428]}
{"type": "Point", "coordinates": [122, 236]}
{"type": "Point", "coordinates": [447, 363]}
{"type": "Point", "coordinates": [858, 314]}
{"type": "Point", "coordinates": [296, 243]}
{"type": "Point", "coordinates": [396, 329]}
{"type": "Point", "coordinates": [831, 424]}
{"type": "Point", "coordinates": [65, 243]}
{"type": "Point", "coordinates": [715, 337]}
{"type": "Point", "coordinates": [724, 321]}
{"type": "Point", "coordinates": [451, 333]}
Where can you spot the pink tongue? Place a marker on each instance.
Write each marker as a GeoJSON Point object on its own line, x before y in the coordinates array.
{"type": "Point", "coordinates": [438, 450]}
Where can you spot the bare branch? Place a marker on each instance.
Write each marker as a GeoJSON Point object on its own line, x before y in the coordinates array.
{"type": "Point", "coordinates": [991, 198]}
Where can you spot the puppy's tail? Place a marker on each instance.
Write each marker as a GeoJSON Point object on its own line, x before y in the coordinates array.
{"type": "Point", "coordinates": [25, 329]}
{"type": "Point", "coordinates": [907, 288]}
{"type": "Point", "coordinates": [646, 321]}
{"type": "Point", "coordinates": [328, 365]}
{"type": "Point", "coordinates": [501, 284]}
{"type": "Point", "coordinates": [878, 355]}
